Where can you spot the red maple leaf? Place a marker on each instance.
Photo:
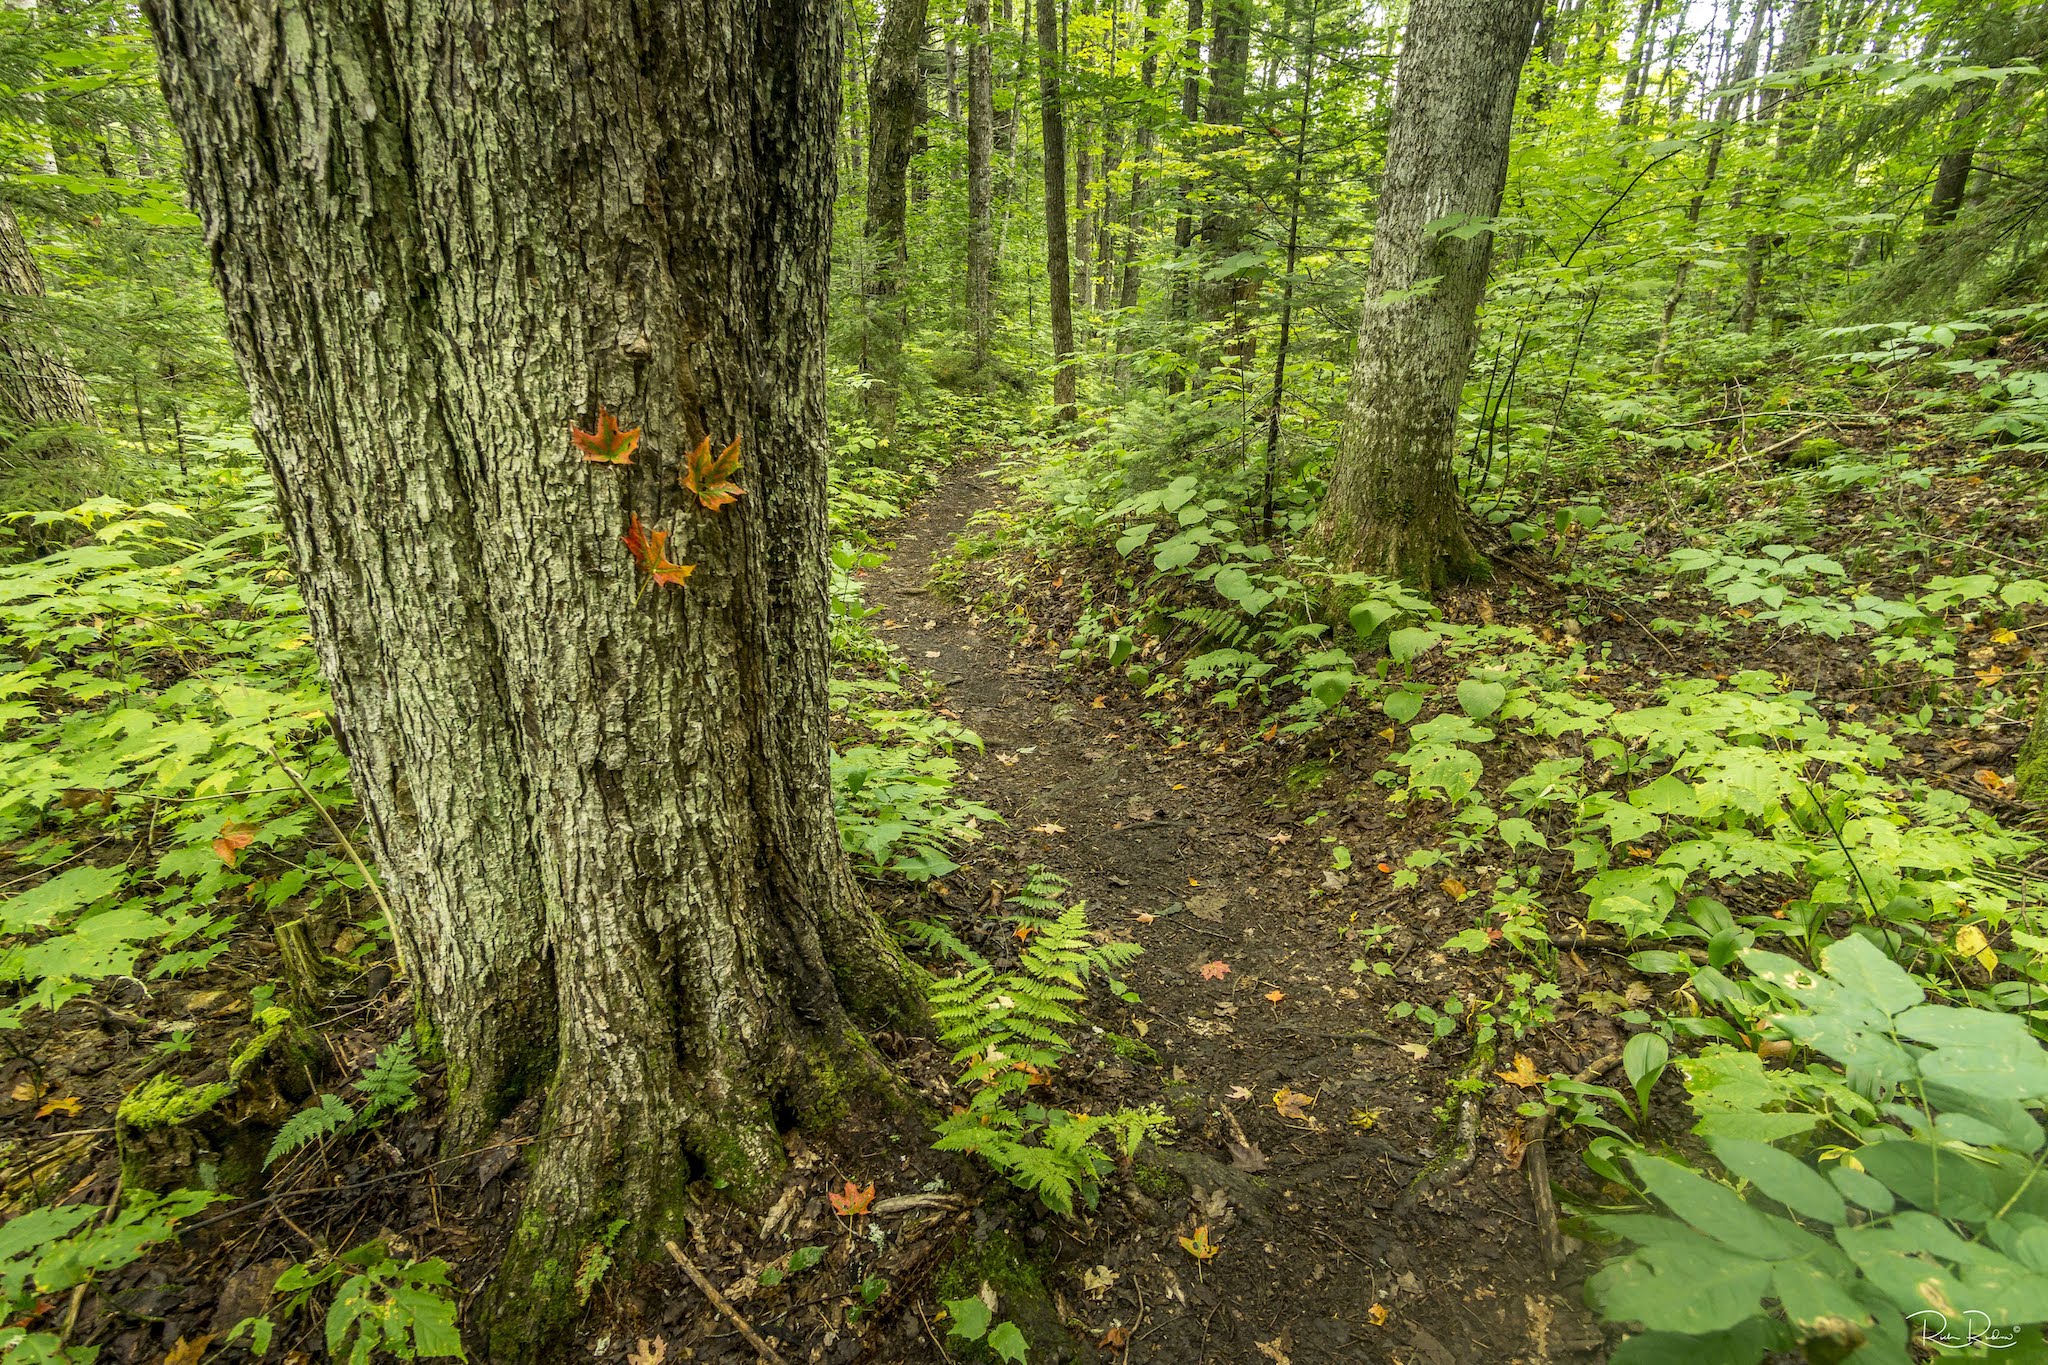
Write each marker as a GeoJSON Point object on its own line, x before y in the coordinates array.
{"type": "Point", "coordinates": [650, 551]}
{"type": "Point", "coordinates": [234, 837]}
{"type": "Point", "coordinates": [608, 444]}
{"type": "Point", "coordinates": [852, 1201]}
{"type": "Point", "coordinates": [711, 479]}
{"type": "Point", "coordinates": [1215, 971]}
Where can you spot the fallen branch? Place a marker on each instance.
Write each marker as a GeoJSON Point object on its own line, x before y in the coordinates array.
{"type": "Point", "coordinates": [1759, 453]}
{"type": "Point", "coordinates": [1536, 1163]}
{"type": "Point", "coordinates": [718, 1301]}
{"type": "Point", "coordinates": [1451, 1164]}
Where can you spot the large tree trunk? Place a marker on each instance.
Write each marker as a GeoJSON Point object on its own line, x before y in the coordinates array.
{"type": "Point", "coordinates": [1393, 505]}
{"type": "Point", "coordinates": [1053, 123]}
{"type": "Point", "coordinates": [981, 233]}
{"type": "Point", "coordinates": [39, 391]}
{"type": "Point", "coordinates": [895, 107]}
{"type": "Point", "coordinates": [601, 806]}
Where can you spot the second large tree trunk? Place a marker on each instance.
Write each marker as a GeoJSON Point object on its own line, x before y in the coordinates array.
{"type": "Point", "coordinates": [895, 101]}
{"type": "Point", "coordinates": [601, 805]}
{"type": "Point", "coordinates": [1393, 506]}
{"type": "Point", "coordinates": [39, 391]}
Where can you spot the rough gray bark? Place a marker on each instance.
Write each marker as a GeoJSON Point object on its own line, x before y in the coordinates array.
{"type": "Point", "coordinates": [1393, 506]}
{"type": "Point", "coordinates": [39, 391]}
{"type": "Point", "coordinates": [601, 808]}
{"type": "Point", "coordinates": [895, 103]}
{"type": "Point", "coordinates": [1052, 120]}
{"type": "Point", "coordinates": [981, 233]}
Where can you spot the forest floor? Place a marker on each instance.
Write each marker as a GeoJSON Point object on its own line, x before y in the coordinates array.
{"type": "Point", "coordinates": [1302, 1118]}
{"type": "Point", "coordinates": [1287, 995]}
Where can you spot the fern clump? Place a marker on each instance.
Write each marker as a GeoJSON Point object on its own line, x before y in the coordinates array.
{"type": "Point", "coordinates": [1009, 1034]}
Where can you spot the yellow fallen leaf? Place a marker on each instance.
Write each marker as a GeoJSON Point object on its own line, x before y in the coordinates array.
{"type": "Point", "coordinates": [1378, 1315]}
{"type": "Point", "coordinates": [1524, 1074]}
{"type": "Point", "coordinates": [1454, 888]}
{"type": "Point", "coordinates": [1292, 1104]}
{"type": "Point", "coordinates": [1276, 996]}
{"type": "Point", "coordinates": [1971, 943]}
{"type": "Point", "coordinates": [68, 1105]}
{"type": "Point", "coordinates": [2004, 636]}
{"type": "Point", "coordinates": [1199, 1246]}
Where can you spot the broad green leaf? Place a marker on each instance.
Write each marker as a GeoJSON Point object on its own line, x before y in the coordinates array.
{"type": "Point", "coordinates": [1782, 1177]}
{"type": "Point", "coordinates": [1480, 699]}
{"type": "Point", "coordinates": [970, 1318]}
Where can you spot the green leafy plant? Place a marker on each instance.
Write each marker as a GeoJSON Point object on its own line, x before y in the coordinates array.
{"type": "Point", "coordinates": [49, 1250]}
{"type": "Point", "coordinates": [379, 1304]}
{"type": "Point", "coordinates": [1918, 1211]}
{"type": "Point", "coordinates": [1009, 1032]}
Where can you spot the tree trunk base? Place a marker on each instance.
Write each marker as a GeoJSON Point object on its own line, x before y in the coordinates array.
{"type": "Point", "coordinates": [656, 1158]}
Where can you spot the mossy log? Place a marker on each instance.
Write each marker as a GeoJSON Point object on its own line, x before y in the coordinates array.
{"type": "Point", "coordinates": [174, 1135]}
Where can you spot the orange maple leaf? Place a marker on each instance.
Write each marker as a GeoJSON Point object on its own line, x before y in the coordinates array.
{"type": "Point", "coordinates": [68, 1105]}
{"type": "Point", "coordinates": [234, 837]}
{"type": "Point", "coordinates": [650, 551]}
{"type": "Point", "coordinates": [1525, 1075]}
{"type": "Point", "coordinates": [1215, 971]}
{"type": "Point", "coordinates": [1199, 1246]}
{"type": "Point", "coordinates": [711, 479]}
{"type": "Point", "coordinates": [608, 444]}
{"type": "Point", "coordinates": [853, 1201]}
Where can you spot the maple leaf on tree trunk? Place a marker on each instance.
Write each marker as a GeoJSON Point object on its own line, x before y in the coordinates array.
{"type": "Point", "coordinates": [650, 551]}
{"type": "Point", "coordinates": [710, 478]}
{"type": "Point", "coordinates": [608, 444]}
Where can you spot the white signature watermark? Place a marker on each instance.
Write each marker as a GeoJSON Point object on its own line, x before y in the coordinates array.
{"type": "Point", "coordinates": [1961, 1329]}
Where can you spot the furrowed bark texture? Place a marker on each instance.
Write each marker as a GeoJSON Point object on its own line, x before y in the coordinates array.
{"type": "Point", "coordinates": [1393, 506]}
{"type": "Point", "coordinates": [602, 808]}
{"type": "Point", "coordinates": [38, 387]}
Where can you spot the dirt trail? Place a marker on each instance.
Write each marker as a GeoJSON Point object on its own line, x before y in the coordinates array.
{"type": "Point", "coordinates": [1317, 1263]}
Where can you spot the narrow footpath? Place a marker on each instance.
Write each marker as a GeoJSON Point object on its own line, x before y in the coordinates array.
{"type": "Point", "coordinates": [1304, 1113]}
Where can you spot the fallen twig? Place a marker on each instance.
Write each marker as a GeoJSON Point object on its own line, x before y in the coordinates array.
{"type": "Point", "coordinates": [1536, 1163]}
{"type": "Point", "coordinates": [718, 1301]}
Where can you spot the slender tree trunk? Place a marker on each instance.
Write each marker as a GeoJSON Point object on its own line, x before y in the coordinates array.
{"type": "Point", "coordinates": [1724, 114]}
{"type": "Point", "coordinates": [1127, 294]}
{"type": "Point", "coordinates": [981, 236]}
{"type": "Point", "coordinates": [1952, 172]}
{"type": "Point", "coordinates": [1393, 505]}
{"type": "Point", "coordinates": [1279, 395]}
{"type": "Point", "coordinates": [601, 806]}
{"type": "Point", "coordinates": [895, 104]}
{"type": "Point", "coordinates": [1802, 34]}
{"type": "Point", "coordinates": [1052, 118]}
{"type": "Point", "coordinates": [39, 391]}
{"type": "Point", "coordinates": [1184, 225]}
{"type": "Point", "coordinates": [1639, 58]}
{"type": "Point", "coordinates": [1223, 226]}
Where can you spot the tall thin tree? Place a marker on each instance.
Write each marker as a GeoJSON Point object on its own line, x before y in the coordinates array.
{"type": "Point", "coordinates": [1053, 124]}
{"type": "Point", "coordinates": [981, 146]}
